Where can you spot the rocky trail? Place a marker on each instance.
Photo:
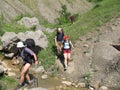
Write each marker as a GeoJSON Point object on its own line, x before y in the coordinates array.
{"type": "Point", "coordinates": [95, 57]}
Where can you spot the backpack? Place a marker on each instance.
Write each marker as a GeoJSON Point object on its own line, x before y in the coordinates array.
{"type": "Point", "coordinates": [30, 43]}
{"type": "Point", "coordinates": [65, 42]}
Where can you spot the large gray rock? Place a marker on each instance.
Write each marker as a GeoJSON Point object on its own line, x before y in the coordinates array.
{"type": "Point", "coordinates": [29, 22]}
{"type": "Point", "coordinates": [105, 65]}
{"type": "Point", "coordinates": [103, 55]}
{"type": "Point", "coordinates": [38, 36]}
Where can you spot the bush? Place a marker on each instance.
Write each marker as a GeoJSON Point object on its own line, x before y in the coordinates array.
{"type": "Point", "coordinates": [64, 15]}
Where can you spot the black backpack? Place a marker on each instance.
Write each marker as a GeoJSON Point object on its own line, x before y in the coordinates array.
{"type": "Point", "coordinates": [30, 43]}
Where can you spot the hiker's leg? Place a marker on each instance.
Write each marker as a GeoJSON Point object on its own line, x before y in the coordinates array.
{"type": "Point", "coordinates": [23, 72]}
{"type": "Point", "coordinates": [27, 76]}
{"type": "Point", "coordinates": [68, 57]}
{"type": "Point", "coordinates": [65, 59]}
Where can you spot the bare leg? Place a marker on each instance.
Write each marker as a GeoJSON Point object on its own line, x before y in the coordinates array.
{"type": "Point", "coordinates": [23, 72]}
{"type": "Point", "coordinates": [27, 76]}
{"type": "Point", "coordinates": [65, 59]}
{"type": "Point", "coordinates": [68, 57]}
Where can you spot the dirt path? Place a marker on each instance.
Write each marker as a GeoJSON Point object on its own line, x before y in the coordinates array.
{"type": "Point", "coordinates": [82, 54]}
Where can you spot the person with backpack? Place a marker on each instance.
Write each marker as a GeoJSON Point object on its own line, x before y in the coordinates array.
{"type": "Point", "coordinates": [27, 55]}
{"type": "Point", "coordinates": [58, 39]}
{"type": "Point", "coordinates": [67, 45]}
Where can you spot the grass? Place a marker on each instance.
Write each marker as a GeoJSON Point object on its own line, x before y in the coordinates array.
{"type": "Point", "coordinates": [7, 82]}
{"type": "Point", "coordinates": [94, 18]}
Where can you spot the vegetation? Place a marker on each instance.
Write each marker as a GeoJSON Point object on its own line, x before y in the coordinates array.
{"type": "Point", "coordinates": [64, 15]}
{"type": "Point", "coordinates": [7, 82]}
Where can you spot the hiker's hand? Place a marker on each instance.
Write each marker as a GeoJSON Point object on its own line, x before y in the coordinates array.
{"type": "Point", "coordinates": [36, 62]}
{"type": "Point", "coordinates": [56, 44]}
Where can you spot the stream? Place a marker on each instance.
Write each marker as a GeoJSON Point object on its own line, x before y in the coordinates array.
{"type": "Point", "coordinates": [11, 81]}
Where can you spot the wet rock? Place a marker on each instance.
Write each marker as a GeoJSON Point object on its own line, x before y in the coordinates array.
{"type": "Point", "coordinates": [9, 55]}
{"type": "Point", "coordinates": [81, 85]}
{"type": "Point", "coordinates": [40, 69]}
{"type": "Point", "coordinates": [11, 74]}
{"type": "Point", "coordinates": [67, 83]}
{"type": "Point", "coordinates": [44, 76]}
{"type": "Point", "coordinates": [103, 88]}
{"type": "Point", "coordinates": [38, 88]}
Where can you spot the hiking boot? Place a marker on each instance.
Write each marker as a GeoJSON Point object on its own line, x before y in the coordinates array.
{"type": "Point", "coordinates": [65, 68]}
{"type": "Point", "coordinates": [18, 86]}
{"type": "Point", "coordinates": [30, 83]}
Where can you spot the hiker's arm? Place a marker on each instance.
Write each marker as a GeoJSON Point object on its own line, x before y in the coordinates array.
{"type": "Point", "coordinates": [56, 40]}
{"type": "Point", "coordinates": [71, 44]}
{"type": "Point", "coordinates": [35, 58]}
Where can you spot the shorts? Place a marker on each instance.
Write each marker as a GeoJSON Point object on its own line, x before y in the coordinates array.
{"type": "Point", "coordinates": [66, 51]}
{"type": "Point", "coordinates": [59, 43]}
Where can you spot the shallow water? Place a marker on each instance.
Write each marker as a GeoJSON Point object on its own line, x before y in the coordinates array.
{"type": "Point", "coordinates": [50, 82]}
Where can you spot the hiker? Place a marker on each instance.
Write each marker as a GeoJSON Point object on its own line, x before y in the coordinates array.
{"type": "Point", "coordinates": [58, 40]}
{"type": "Point", "coordinates": [72, 19]}
{"type": "Point", "coordinates": [67, 45]}
{"type": "Point", "coordinates": [26, 55]}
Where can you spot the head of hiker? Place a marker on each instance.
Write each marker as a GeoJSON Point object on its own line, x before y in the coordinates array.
{"type": "Point", "coordinates": [59, 30]}
{"type": "Point", "coordinates": [66, 37]}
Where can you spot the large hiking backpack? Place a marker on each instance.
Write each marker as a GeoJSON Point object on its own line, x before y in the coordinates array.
{"type": "Point", "coordinates": [30, 43]}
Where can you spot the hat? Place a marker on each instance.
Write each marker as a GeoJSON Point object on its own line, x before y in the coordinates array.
{"type": "Point", "coordinates": [20, 44]}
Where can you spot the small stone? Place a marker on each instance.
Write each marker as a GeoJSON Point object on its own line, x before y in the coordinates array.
{"type": "Point", "coordinates": [44, 76]}
{"type": "Point", "coordinates": [81, 85]}
{"type": "Point", "coordinates": [67, 83]}
{"type": "Point", "coordinates": [11, 74]}
{"type": "Point", "coordinates": [103, 88]}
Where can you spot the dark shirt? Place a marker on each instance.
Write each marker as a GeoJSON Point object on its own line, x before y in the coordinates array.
{"type": "Point", "coordinates": [60, 36]}
{"type": "Point", "coordinates": [26, 50]}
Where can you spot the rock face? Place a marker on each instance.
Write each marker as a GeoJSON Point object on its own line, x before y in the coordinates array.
{"type": "Point", "coordinates": [10, 9]}
{"type": "Point", "coordinates": [47, 10]}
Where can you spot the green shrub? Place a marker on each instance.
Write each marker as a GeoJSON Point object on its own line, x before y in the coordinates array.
{"type": "Point", "coordinates": [64, 15]}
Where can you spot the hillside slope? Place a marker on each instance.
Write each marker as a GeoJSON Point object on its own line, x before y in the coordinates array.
{"type": "Point", "coordinates": [10, 9]}
{"type": "Point", "coordinates": [44, 9]}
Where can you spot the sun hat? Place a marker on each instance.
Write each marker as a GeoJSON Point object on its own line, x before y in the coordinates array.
{"type": "Point", "coordinates": [20, 44]}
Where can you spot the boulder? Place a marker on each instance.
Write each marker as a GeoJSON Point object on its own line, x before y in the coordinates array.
{"type": "Point", "coordinates": [29, 22]}
{"type": "Point", "coordinates": [10, 40]}
{"type": "Point", "coordinates": [105, 65]}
